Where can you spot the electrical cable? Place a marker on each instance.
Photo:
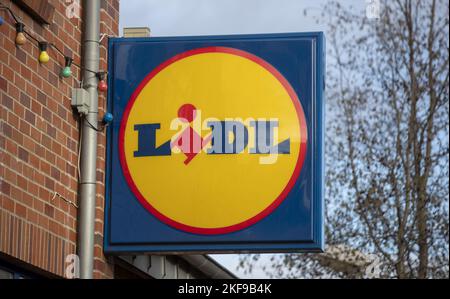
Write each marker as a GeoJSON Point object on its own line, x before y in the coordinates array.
{"type": "Point", "coordinates": [93, 127]}
{"type": "Point", "coordinates": [2, 6]}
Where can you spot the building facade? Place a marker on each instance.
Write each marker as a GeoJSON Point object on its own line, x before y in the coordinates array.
{"type": "Point", "coordinates": [39, 148]}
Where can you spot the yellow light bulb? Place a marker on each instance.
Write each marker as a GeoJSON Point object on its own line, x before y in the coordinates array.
{"type": "Point", "coordinates": [20, 38]}
{"type": "Point", "coordinates": [43, 57]}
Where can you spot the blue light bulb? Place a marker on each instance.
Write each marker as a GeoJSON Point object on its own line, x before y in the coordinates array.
{"type": "Point", "coordinates": [107, 118]}
{"type": "Point", "coordinates": [2, 21]}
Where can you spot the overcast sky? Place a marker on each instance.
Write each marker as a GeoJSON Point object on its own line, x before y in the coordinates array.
{"type": "Point", "coordinates": [212, 17]}
{"type": "Point", "coordinates": [216, 17]}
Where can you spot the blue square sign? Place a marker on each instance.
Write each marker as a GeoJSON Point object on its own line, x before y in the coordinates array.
{"type": "Point", "coordinates": [216, 144]}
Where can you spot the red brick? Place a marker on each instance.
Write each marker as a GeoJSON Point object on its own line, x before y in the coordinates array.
{"type": "Point", "coordinates": [7, 130]}
{"type": "Point", "coordinates": [42, 98]}
{"type": "Point", "coordinates": [25, 100]}
{"type": "Point", "coordinates": [26, 73]}
{"type": "Point", "coordinates": [7, 101]}
{"type": "Point", "coordinates": [49, 210]}
{"type": "Point", "coordinates": [24, 127]}
{"type": "Point", "coordinates": [3, 84]}
{"type": "Point", "coordinates": [8, 74]}
{"type": "Point", "coordinates": [7, 204]}
{"type": "Point", "coordinates": [21, 55]}
{"type": "Point", "coordinates": [5, 187]}
{"type": "Point", "coordinates": [23, 154]}
{"type": "Point", "coordinates": [51, 131]}
{"type": "Point", "coordinates": [30, 117]}
{"type": "Point", "coordinates": [55, 173]}
{"type": "Point", "coordinates": [21, 210]}
{"type": "Point", "coordinates": [34, 161]}
{"type": "Point", "coordinates": [49, 183]}
{"type": "Point", "coordinates": [13, 120]}
{"type": "Point", "coordinates": [22, 183]}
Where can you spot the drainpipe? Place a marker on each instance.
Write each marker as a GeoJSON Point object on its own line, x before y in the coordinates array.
{"type": "Point", "coordinates": [88, 157]}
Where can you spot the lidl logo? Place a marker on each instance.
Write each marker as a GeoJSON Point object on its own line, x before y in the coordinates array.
{"type": "Point", "coordinates": [212, 140]}
{"type": "Point", "coordinates": [226, 137]}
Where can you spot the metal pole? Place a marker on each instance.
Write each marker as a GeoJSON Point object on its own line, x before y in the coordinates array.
{"type": "Point", "coordinates": [89, 140]}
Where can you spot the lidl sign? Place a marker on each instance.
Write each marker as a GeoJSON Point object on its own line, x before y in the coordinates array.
{"type": "Point", "coordinates": [216, 144]}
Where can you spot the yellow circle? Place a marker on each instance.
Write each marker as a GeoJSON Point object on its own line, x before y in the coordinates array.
{"type": "Point", "coordinates": [212, 191]}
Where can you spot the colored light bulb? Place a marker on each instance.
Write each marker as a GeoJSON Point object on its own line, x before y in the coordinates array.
{"type": "Point", "coordinates": [20, 36]}
{"type": "Point", "coordinates": [2, 21]}
{"type": "Point", "coordinates": [43, 56]}
{"type": "Point", "coordinates": [102, 86]}
{"type": "Point", "coordinates": [107, 118]}
{"type": "Point", "coordinates": [66, 72]}
{"type": "Point", "coordinates": [20, 39]}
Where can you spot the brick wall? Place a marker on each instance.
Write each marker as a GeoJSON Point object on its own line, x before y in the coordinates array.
{"type": "Point", "coordinates": [39, 143]}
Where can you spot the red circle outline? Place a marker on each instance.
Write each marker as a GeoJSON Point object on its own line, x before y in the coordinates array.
{"type": "Point", "coordinates": [267, 211]}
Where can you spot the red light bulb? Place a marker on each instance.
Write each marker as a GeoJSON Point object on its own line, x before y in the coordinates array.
{"type": "Point", "coordinates": [102, 86]}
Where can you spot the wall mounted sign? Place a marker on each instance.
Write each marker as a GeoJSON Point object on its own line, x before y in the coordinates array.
{"type": "Point", "coordinates": [217, 144]}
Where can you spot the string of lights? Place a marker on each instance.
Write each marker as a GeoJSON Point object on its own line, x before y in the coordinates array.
{"type": "Point", "coordinates": [23, 35]}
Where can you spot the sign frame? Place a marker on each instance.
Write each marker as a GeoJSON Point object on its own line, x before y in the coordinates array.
{"type": "Point", "coordinates": [315, 143]}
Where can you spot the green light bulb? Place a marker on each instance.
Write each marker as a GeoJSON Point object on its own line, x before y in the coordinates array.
{"type": "Point", "coordinates": [66, 72]}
